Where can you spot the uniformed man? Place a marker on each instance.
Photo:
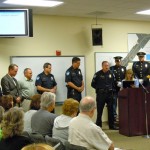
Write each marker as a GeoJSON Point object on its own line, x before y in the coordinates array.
{"type": "Point", "coordinates": [119, 73]}
{"type": "Point", "coordinates": [45, 81]}
{"type": "Point", "coordinates": [74, 80]}
{"type": "Point", "coordinates": [141, 68]}
{"type": "Point", "coordinates": [103, 83]}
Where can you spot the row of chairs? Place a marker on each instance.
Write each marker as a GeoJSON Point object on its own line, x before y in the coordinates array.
{"type": "Point", "coordinates": [55, 143]}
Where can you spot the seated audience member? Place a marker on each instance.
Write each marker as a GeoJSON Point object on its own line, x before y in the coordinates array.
{"type": "Point", "coordinates": [129, 77]}
{"type": "Point", "coordinates": [61, 123]}
{"type": "Point", "coordinates": [42, 121]}
{"type": "Point", "coordinates": [6, 102]}
{"type": "Point", "coordinates": [83, 132]}
{"type": "Point", "coordinates": [37, 146]}
{"type": "Point", "coordinates": [1, 114]}
{"type": "Point", "coordinates": [12, 128]}
{"type": "Point", "coordinates": [34, 106]}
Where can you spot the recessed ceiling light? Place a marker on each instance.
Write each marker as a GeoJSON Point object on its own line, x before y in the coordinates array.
{"type": "Point", "coordinates": [144, 12]}
{"type": "Point", "coordinates": [39, 3]}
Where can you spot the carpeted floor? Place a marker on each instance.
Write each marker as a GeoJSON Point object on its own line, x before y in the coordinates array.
{"type": "Point", "coordinates": [127, 143]}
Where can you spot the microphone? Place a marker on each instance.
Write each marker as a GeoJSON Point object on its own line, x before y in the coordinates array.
{"type": "Point", "coordinates": [145, 90]}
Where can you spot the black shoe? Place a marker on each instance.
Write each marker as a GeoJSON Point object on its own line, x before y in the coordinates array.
{"type": "Point", "coordinates": [114, 128]}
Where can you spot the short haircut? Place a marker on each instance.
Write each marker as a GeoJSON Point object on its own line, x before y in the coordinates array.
{"type": "Point", "coordinates": [11, 66]}
{"type": "Point", "coordinates": [70, 106]}
{"type": "Point", "coordinates": [75, 59]}
{"type": "Point", "coordinates": [47, 99]}
{"type": "Point", "coordinates": [6, 102]}
{"type": "Point", "coordinates": [26, 69]}
{"type": "Point", "coordinates": [104, 62]}
{"type": "Point", "coordinates": [12, 123]}
{"type": "Point", "coordinates": [87, 104]}
{"type": "Point", "coordinates": [46, 65]}
{"type": "Point", "coordinates": [35, 102]}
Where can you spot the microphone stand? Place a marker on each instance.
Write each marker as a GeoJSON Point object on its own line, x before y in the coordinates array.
{"type": "Point", "coordinates": [146, 120]}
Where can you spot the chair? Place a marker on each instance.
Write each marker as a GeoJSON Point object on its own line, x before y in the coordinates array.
{"type": "Point", "coordinates": [55, 143]}
{"type": "Point", "coordinates": [69, 146]}
{"type": "Point", "coordinates": [35, 137]}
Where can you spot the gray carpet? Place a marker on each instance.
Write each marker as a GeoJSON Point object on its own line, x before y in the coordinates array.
{"type": "Point", "coordinates": [127, 143]}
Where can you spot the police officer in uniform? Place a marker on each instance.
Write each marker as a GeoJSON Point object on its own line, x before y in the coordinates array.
{"type": "Point", "coordinates": [45, 81]}
{"type": "Point", "coordinates": [141, 68]}
{"type": "Point", "coordinates": [74, 80]}
{"type": "Point", "coordinates": [119, 73]}
{"type": "Point", "coordinates": [103, 83]}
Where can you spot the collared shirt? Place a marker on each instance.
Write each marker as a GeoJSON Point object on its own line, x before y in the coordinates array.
{"type": "Point", "coordinates": [141, 69]}
{"type": "Point", "coordinates": [46, 81]}
{"type": "Point", "coordinates": [119, 72]}
{"type": "Point", "coordinates": [28, 88]}
{"type": "Point", "coordinates": [83, 132]}
{"type": "Point", "coordinates": [103, 80]}
{"type": "Point", "coordinates": [74, 76]}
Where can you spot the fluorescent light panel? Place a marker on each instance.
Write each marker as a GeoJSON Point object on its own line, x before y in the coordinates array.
{"type": "Point", "coordinates": [40, 3]}
{"type": "Point", "coordinates": [144, 12]}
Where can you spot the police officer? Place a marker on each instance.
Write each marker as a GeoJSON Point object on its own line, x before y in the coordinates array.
{"type": "Point", "coordinates": [141, 68]}
{"type": "Point", "coordinates": [45, 81]}
{"type": "Point", "coordinates": [74, 80]}
{"type": "Point", "coordinates": [103, 83]}
{"type": "Point", "coordinates": [119, 73]}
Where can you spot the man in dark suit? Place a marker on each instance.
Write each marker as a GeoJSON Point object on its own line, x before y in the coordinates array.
{"type": "Point", "coordinates": [10, 85]}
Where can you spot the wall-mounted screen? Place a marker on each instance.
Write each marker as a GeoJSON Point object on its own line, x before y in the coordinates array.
{"type": "Point", "coordinates": [16, 22]}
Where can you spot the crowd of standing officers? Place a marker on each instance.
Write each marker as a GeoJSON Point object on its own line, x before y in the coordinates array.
{"type": "Point", "coordinates": [105, 82]}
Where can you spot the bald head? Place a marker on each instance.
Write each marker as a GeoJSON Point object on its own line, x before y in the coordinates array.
{"type": "Point", "coordinates": [87, 104]}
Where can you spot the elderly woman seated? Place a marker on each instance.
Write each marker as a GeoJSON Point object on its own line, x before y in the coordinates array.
{"type": "Point", "coordinates": [61, 123]}
{"type": "Point", "coordinates": [12, 128]}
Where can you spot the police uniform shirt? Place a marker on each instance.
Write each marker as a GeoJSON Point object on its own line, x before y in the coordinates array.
{"type": "Point", "coordinates": [103, 80]}
{"type": "Point", "coordinates": [74, 76]}
{"type": "Point", "coordinates": [46, 81]}
{"type": "Point", "coordinates": [119, 72]}
{"type": "Point", "coordinates": [141, 69]}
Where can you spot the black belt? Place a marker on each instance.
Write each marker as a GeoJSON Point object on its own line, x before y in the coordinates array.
{"type": "Point", "coordinates": [104, 90]}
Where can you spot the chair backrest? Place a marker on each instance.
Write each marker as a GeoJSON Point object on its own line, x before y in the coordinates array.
{"type": "Point", "coordinates": [56, 143]}
{"type": "Point", "coordinates": [69, 146]}
{"type": "Point", "coordinates": [35, 137]}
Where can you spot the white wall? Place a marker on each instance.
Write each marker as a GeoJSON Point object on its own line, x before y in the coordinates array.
{"type": "Point", "coordinates": [71, 35]}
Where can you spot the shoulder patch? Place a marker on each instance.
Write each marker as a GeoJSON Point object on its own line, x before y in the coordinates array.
{"type": "Point", "coordinates": [67, 73]}
{"type": "Point", "coordinates": [37, 78]}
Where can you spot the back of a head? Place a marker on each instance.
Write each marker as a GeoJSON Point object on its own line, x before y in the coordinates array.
{"type": "Point", "coordinates": [12, 123]}
{"type": "Point", "coordinates": [47, 99]}
{"type": "Point", "coordinates": [87, 104]}
{"type": "Point", "coordinates": [7, 102]}
{"type": "Point", "coordinates": [1, 113]}
{"type": "Point", "coordinates": [70, 107]}
{"type": "Point", "coordinates": [35, 102]}
{"type": "Point", "coordinates": [38, 146]}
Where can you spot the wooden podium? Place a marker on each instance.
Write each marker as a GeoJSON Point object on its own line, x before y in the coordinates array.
{"type": "Point", "coordinates": [132, 118]}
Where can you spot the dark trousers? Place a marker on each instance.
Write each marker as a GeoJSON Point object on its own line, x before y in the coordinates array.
{"type": "Point", "coordinates": [72, 93]}
{"type": "Point", "coordinates": [102, 98]}
{"type": "Point", "coordinates": [115, 101]}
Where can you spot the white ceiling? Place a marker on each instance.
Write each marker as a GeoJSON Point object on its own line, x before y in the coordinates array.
{"type": "Point", "coordinates": [108, 9]}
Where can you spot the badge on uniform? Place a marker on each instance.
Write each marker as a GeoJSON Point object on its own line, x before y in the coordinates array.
{"type": "Point", "coordinates": [37, 78]}
{"type": "Point", "coordinates": [52, 78]}
{"type": "Point", "coordinates": [109, 75]}
{"type": "Point", "coordinates": [79, 72]}
{"type": "Point", "coordinates": [122, 70]}
{"type": "Point", "coordinates": [67, 73]}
